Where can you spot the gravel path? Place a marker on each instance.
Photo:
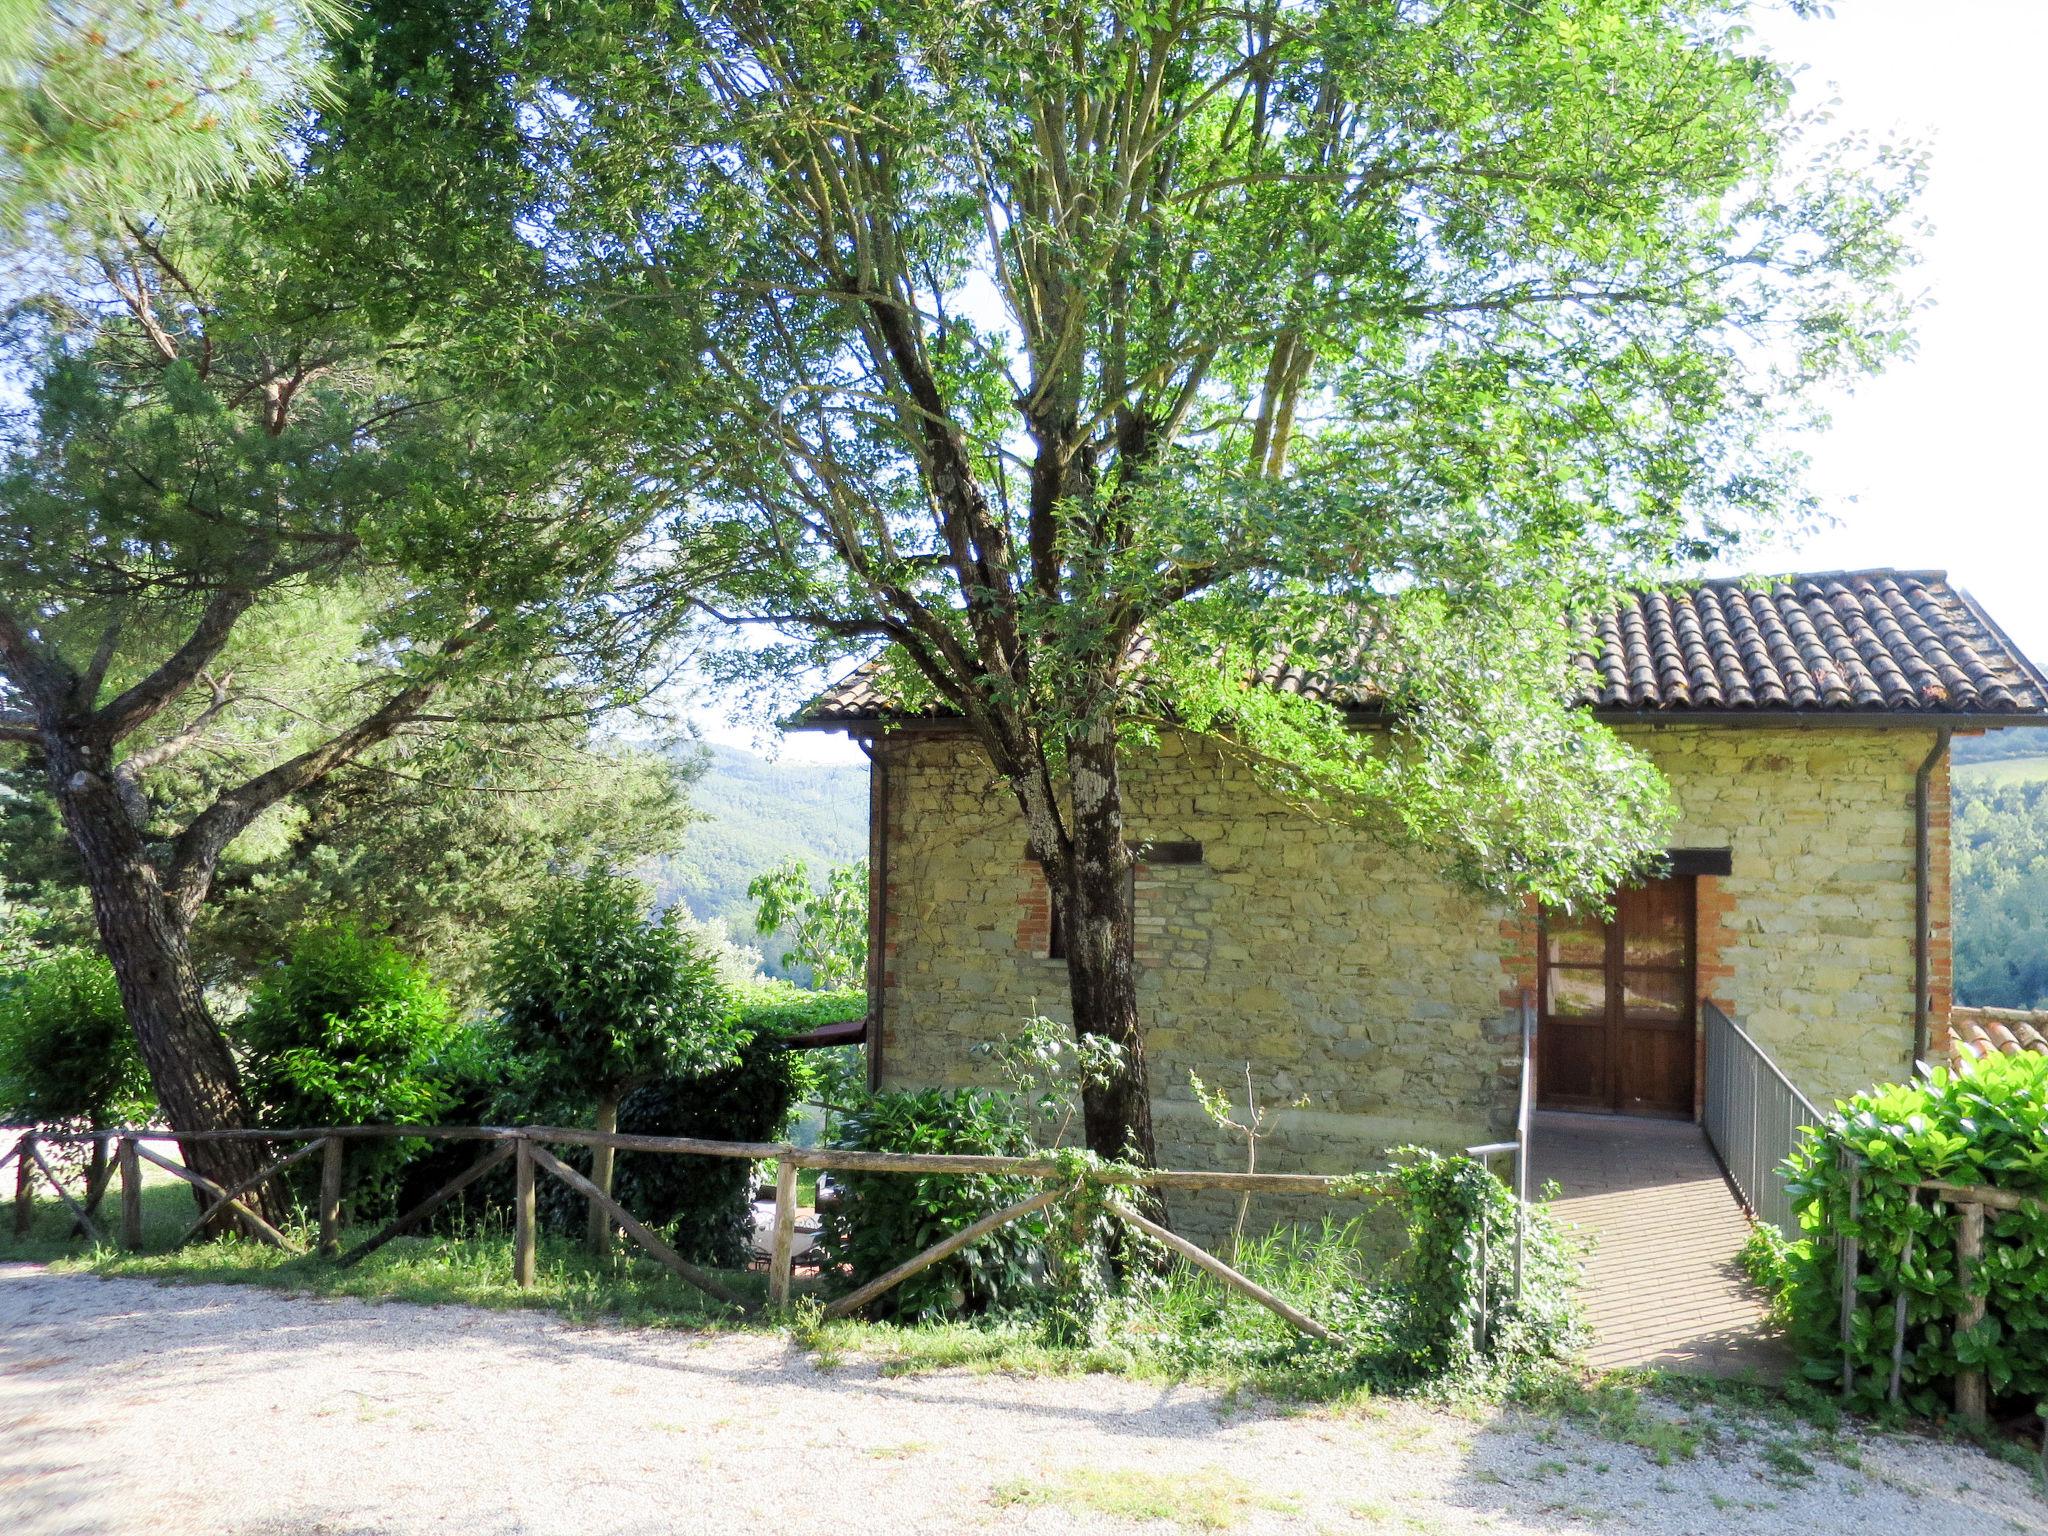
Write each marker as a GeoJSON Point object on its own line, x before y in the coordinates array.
{"type": "Point", "coordinates": [131, 1407]}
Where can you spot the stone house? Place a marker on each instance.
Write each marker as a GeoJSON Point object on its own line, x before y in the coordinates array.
{"type": "Point", "coordinates": [1803, 725]}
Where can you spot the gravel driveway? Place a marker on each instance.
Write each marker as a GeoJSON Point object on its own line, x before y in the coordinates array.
{"type": "Point", "coordinates": [131, 1407]}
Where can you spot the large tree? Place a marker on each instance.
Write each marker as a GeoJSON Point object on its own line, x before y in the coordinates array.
{"type": "Point", "coordinates": [214, 468]}
{"type": "Point", "coordinates": [1095, 359]}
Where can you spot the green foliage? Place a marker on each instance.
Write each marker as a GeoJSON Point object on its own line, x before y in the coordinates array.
{"type": "Point", "coordinates": [1289, 364]}
{"type": "Point", "coordinates": [1985, 1124]}
{"type": "Point", "coordinates": [828, 927]}
{"type": "Point", "coordinates": [1766, 1257]}
{"type": "Point", "coordinates": [1447, 1203]}
{"type": "Point", "coordinates": [595, 997]}
{"type": "Point", "coordinates": [759, 813]}
{"type": "Point", "coordinates": [440, 845]}
{"type": "Point", "coordinates": [886, 1217]}
{"type": "Point", "coordinates": [111, 107]}
{"type": "Point", "coordinates": [704, 1204]}
{"type": "Point", "coordinates": [1999, 848]}
{"type": "Point", "coordinates": [350, 1031]}
{"type": "Point", "coordinates": [785, 1010]}
{"type": "Point", "coordinates": [67, 1055]}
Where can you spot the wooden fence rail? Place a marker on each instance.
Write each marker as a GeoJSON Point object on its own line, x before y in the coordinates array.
{"type": "Point", "coordinates": [1972, 1202]}
{"type": "Point", "coordinates": [525, 1147]}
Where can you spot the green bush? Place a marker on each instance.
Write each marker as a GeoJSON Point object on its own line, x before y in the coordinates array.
{"type": "Point", "coordinates": [596, 997]}
{"type": "Point", "coordinates": [703, 1204]}
{"type": "Point", "coordinates": [1985, 1124]}
{"type": "Point", "coordinates": [1400, 1323]}
{"type": "Point", "coordinates": [1435, 1286]}
{"type": "Point", "coordinates": [67, 1055]}
{"type": "Point", "coordinates": [885, 1218]}
{"type": "Point", "coordinates": [349, 1031]}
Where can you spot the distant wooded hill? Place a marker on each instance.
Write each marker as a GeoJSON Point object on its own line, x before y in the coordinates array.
{"type": "Point", "coordinates": [755, 813]}
{"type": "Point", "coordinates": [2000, 868]}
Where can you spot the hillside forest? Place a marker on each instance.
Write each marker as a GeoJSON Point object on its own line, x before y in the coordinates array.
{"type": "Point", "coordinates": [2000, 870]}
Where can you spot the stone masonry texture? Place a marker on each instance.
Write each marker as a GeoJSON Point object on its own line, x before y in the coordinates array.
{"type": "Point", "coordinates": [1343, 970]}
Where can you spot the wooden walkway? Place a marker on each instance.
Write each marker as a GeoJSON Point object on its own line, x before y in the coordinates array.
{"type": "Point", "coordinates": [1663, 1288]}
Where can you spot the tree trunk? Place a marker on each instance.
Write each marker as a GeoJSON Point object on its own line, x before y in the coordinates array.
{"type": "Point", "coordinates": [190, 1067]}
{"type": "Point", "coordinates": [601, 1175]}
{"type": "Point", "coordinates": [1101, 975]}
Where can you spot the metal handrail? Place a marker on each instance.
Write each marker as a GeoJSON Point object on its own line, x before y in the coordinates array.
{"type": "Point", "coordinates": [1752, 1114]}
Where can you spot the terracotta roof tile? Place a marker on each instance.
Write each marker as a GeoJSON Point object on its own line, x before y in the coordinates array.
{"type": "Point", "coordinates": [1978, 1032]}
{"type": "Point", "coordinates": [1856, 641]}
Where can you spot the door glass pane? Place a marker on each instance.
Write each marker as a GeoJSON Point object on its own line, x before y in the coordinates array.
{"type": "Point", "coordinates": [1654, 994]}
{"type": "Point", "coordinates": [1575, 938]}
{"type": "Point", "coordinates": [1653, 924]}
{"type": "Point", "coordinates": [1578, 992]}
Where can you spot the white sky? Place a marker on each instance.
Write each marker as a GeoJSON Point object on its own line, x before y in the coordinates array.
{"type": "Point", "coordinates": [1929, 465]}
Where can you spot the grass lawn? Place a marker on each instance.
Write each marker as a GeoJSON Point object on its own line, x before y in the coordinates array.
{"type": "Point", "coordinates": [473, 1269]}
{"type": "Point", "coordinates": [2004, 773]}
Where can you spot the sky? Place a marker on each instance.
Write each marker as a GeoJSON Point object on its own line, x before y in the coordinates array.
{"type": "Point", "coordinates": [1932, 465]}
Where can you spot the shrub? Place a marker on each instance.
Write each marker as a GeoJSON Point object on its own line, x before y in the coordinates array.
{"type": "Point", "coordinates": [349, 1031]}
{"type": "Point", "coordinates": [597, 999]}
{"type": "Point", "coordinates": [1984, 1124]}
{"type": "Point", "coordinates": [1435, 1284]}
{"type": "Point", "coordinates": [67, 1054]}
{"type": "Point", "coordinates": [704, 1204]}
{"type": "Point", "coordinates": [885, 1218]}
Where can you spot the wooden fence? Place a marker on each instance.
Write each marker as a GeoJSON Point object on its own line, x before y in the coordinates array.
{"type": "Point", "coordinates": [1972, 1202]}
{"type": "Point", "coordinates": [526, 1147]}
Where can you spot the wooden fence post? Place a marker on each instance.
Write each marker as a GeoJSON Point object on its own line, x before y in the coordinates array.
{"type": "Point", "coordinates": [1851, 1257]}
{"type": "Point", "coordinates": [131, 1194]}
{"type": "Point", "coordinates": [1899, 1314]}
{"type": "Point", "coordinates": [785, 1232]}
{"type": "Point", "coordinates": [24, 1176]}
{"type": "Point", "coordinates": [523, 1245]}
{"type": "Point", "coordinates": [1970, 1403]}
{"type": "Point", "coordinates": [330, 1196]}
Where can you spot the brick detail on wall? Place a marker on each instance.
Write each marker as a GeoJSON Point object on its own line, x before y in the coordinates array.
{"type": "Point", "coordinates": [1941, 953]}
{"type": "Point", "coordinates": [1034, 914]}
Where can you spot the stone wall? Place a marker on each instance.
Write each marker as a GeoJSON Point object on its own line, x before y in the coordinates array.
{"type": "Point", "coordinates": [1345, 970]}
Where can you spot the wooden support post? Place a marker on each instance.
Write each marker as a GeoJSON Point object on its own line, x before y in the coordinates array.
{"type": "Point", "coordinates": [84, 1223]}
{"type": "Point", "coordinates": [1851, 1258]}
{"type": "Point", "coordinates": [855, 1300]}
{"type": "Point", "coordinates": [256, 1224]}
{"type": "Point", "coordinates": [1970, 1401]}
{"type": "Point", "coordinates": [24, 1185]}
{"type": "Point", "coordinates": [332, 1151]}
{"type": "Point", "coordinates": [785, 1232]}
{"type": "Point", "coordinates": [428, 1206]}
{"type": "Point", "coordinates": [524, 1240]}
{"type": "Point", "coordinates": [1211, 1265]}
{"type": "Point", "coordinates": [683, 1268]}
{"type": "Point", "coordinates": [602, 1155]}
{"type": "Point", "coordinates": [131, 1194]}
{"type": "Point", "coordinates": [1479, 1323]}
{"type": "Point", "coordinates": [1899, 1317]}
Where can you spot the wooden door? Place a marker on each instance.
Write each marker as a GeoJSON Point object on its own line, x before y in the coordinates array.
{"type": "Point", "coordinates": [1618, 1022]}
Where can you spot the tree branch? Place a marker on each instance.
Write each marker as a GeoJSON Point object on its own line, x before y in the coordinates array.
{"type": "Point", "coordinates": [137, 705]}
{"type": "Point", "coordinates": [197, 850]}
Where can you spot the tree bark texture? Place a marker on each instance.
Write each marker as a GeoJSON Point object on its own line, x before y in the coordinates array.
{"type": "Point", "coordinates": [189, 1064]}
{"type": "Point", "coordinates": [1100, 931]}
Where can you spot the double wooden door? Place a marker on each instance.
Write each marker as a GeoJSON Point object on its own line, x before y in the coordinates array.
{"type": "Point", "coordinates": [1618, 1023]}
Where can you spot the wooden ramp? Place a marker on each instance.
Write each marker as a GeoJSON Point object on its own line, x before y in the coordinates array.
{"type": "Point", "coordinates": [1663, 1289]}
